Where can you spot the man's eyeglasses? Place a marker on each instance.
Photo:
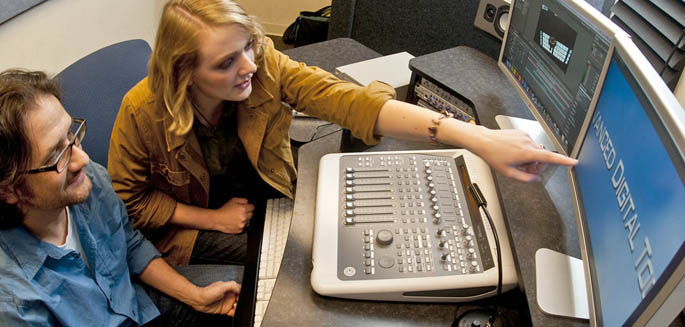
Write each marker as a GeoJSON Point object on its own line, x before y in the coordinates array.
{"type": "Point", "coordinates": [76, 133]}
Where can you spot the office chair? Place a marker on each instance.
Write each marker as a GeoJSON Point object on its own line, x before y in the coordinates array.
{"type": "Point", "coordinates": [93, 87]}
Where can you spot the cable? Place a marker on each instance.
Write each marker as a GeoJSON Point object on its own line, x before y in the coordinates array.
{"type": "Point", "coordinates": [316, 137]}
{"type": "Point", "coordinates": [675, 47]}
{"type": "Point", "coordinates": [483, 204]}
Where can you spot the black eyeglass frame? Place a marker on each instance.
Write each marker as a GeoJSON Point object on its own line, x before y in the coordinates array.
{"type": "Point", "coordinates": [78, 137]}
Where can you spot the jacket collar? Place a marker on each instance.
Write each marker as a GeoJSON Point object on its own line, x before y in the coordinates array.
{"type": "Point", "coordinates": [260, 94]}
{"type": "Point", "coordinates": [173, 140]}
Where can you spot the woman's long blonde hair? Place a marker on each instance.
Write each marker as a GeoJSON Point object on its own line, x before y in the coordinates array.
{"type": "Point", "coordinates": [176, 49]}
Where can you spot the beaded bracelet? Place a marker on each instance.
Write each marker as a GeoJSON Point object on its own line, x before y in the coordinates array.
{"type": "Point", "coordinates": [433, 130]}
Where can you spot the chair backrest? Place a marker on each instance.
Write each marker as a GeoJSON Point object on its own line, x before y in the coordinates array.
{"type": "Point", "coordinates": [94, 86]}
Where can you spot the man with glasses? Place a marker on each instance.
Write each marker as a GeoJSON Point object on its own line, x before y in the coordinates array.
{"type": "Point", "coordinates": [68, 255]}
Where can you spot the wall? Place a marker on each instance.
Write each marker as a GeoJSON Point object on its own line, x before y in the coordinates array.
{"type": "Point", "coordinates": [56, 33]}
{"type": "Point", "coordinates": [276, 15]}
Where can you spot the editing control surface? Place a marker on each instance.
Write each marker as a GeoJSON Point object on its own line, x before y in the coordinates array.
{"type": "Point", "coordinates": [401, 226]}
{"type": "Point", "coordinates": [407, 216]}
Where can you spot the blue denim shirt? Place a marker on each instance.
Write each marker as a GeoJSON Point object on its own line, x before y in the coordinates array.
{"type": "Point", "coordinates": [43, 285]}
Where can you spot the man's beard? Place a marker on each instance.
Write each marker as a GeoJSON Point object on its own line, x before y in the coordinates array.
{"type": "Point", "coordinates": [29, 198]}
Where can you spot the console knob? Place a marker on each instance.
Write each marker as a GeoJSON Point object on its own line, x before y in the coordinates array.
{"type": "Point", "coordinates": [472, 253]}
{"type": "Point", "coordinates": [474, 265]}
{"type": "Point", "coordinates": [443, 257]}
{"type": "Point", "coordinates": [442, 244]}
{"type": "Point", "coordinates": [436, 221]}
{"type": "Point", "coordinates": [428, 171]}
{"type": "Point", "coordinates": [468, 241]}
{"type": "Point", "coordinates": [439, 232]}
{"type": "Point", "coordinates": [384, 237]}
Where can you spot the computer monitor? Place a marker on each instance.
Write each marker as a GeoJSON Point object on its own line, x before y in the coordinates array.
{"type": "Point", "coordinates": [566, 60]}
{"type": "Point", "coordinates": [554, 53]}
{"type": "Point", "coordinates": [629, 188]}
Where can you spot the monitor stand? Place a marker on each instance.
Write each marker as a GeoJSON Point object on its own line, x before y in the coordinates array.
{"type": "Point", "coordinates": [560, 284]}
{"type": "Point", "coordinates": [532, 127]}
{"type": "Point", "coordinates": [560, 279]}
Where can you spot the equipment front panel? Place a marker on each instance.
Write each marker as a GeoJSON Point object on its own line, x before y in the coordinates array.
{"type": "Point", "coordinates": [407, 216]}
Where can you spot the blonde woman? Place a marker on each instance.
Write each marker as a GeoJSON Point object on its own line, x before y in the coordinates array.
{"type": "Point", "coordinates": [205, 136]}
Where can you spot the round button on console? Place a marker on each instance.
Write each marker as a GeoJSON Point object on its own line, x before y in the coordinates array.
{"type": "Point", "coordinates": [384, 237]}
{"type": "Point", "coordinates": [349, 271]}
{"type": "Point", "coordinates": [386, 262]}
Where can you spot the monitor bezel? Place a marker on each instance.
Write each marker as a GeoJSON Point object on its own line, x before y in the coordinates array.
{"type": "Point", "coordinates": [594, 17]}
{"type": "Point", "coordinates": [666, 109]}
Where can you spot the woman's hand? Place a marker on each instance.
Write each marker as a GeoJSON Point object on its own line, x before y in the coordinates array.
{"type": "Point", "coordinates": [514, 154]}
{"type": "Point", "coordinates": [233, 216]}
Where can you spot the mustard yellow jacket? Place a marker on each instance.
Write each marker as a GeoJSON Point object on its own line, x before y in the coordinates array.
{"type": "Point", "coordinates": [153, 169]}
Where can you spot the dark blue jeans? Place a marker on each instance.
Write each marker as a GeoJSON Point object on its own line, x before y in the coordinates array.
{"type": "Point", "coordinates": [216, 248]}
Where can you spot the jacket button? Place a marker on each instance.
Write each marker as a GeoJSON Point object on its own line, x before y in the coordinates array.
{"type": "Point", "coordinates": [272, 170]}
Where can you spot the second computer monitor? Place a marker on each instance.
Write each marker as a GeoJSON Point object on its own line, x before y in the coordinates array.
{"type": "Point", "coordinates": [554, 53]}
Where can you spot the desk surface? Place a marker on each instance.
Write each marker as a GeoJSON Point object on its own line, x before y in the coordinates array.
{"type": "Point", "coordinates": [534, 219]}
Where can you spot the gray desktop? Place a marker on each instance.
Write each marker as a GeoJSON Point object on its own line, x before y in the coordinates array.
{"type": "Point", "coordinates": [294, 301]}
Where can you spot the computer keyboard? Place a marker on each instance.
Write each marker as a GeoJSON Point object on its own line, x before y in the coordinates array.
{"type": "Point", "coordinates": [277, 219]}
